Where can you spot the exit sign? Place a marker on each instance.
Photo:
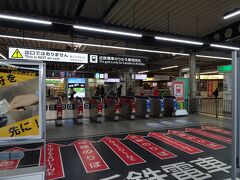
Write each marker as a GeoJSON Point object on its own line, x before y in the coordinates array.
{"type": "Point", "coordinates": [225, 68]}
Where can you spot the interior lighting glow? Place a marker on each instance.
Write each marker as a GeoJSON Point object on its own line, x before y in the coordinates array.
{"type": "Point", "coordinates": [169, 67]}
{"type": "Point", "coordinates": [106, 31]}
{"type": "Point", "coordinates": [178, 40]}
{"type": "Point", "coordinates": [224, 47]}
{"type": "Point", "coordinates": [213, 57]}
{"type": "Point", "coordinates": [232, 14]}
{"type": "Point", "coordinates": [17, 18]}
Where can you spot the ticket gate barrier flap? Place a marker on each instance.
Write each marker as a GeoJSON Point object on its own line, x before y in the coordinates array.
{"type": "Point", "coordinates": [79, 105]}
{"type": "Point", "coordinates": [111, 108]}
{"type": "Point", "coordinates": [95, 112]}
{"type": "Point", "coordinates": [157, 106]}
{"type": "Point", "coordinates": [170, 105]}
{"type": "Point", "coordinates": [142, 106]}
{"type": "Point", "coordinates": [59, 110]}
{"type": "Point", "coordinates": [127, 107]}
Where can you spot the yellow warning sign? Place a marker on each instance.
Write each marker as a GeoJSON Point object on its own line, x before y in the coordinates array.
{"type": "Point", "coordinates": [7, 79]}
{"type": "Point", "coordinates": [27, 127]}
{"type": "Point", "coordinates": [17, 54]}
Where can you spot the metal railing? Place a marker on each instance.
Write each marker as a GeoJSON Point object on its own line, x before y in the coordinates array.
{"type": "Point", "coordinates": [212, 106]}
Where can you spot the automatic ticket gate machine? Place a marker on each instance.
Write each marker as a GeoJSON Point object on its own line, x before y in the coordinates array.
{"type": "Point", "coordinates": [157, 106]}
{"type": "Point", "coordinates": [143, 106]}
{"type": "Point", "coordinates": [78, 116]}
{"type": "Point", "coordinates": [127, 107]}
{"type": "Point", "coordinates": [111, 108]}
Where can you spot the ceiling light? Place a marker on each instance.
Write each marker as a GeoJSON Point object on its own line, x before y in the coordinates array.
{"type": "Point", "coordinates": [1, 55]}
{"type": "Point", "coordinates": [17, 18]}
{"type": "Point", "coordinates": [212, 72]}
{"type": "Point", "coordinates": [81, 66]}
{"type": "Point", "coordinates": [213, 57]}
{"type": "Point", "coordinates": [141, 72]}
{"type": "Point", "coordinates": [106, 31]}
{"type": "Point", "coordinates": [224, 47]}
{"type": "Point", "coordinates": [178, 40]}
{"type": "Point", "coordinates": [93, 45]}
{"type": "Point", "coordinates": [232, 14]}
{"type": "Point", "coordinates": [185, 69]}
{"type": "Point", "coordinates": [169, 67]}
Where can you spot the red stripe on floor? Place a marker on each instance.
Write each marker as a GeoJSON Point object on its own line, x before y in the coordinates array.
{"type": "Point", "coordinates": [53, 160]}
{"type": "Point", "coordinates": [91, 159]}
{"type": "Point", "coordinates": [210, 135]}
{"type": "Point", "coordinates": [217, 129]}
{"type": "Point", "coordinates": [175, 143]}
{"type": "Point", "coordinates": [150, 147]}
{"type": "Point", "coordinates": [122, 151]}
{"type": "Point", "coordinates": [197, 140]}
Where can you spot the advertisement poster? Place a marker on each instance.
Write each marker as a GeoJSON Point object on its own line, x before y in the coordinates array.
{"type": "Point", "coordinates": [78, 85]}
{"type": "Point", "coordinates": [211, 86]}
{"type": "Point", "coordinates": [19, 102]}
{"type": "Point", "coordinates": [178, 90]}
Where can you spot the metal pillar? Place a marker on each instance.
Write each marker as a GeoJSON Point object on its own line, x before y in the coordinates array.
{"type": "Point", "coordinates": [193, 84]}
{"type": "Point", "coordinates": [235, 115]}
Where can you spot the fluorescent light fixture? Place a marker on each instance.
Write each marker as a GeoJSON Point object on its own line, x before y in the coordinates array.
{"type": "Point", "coordinates": [224, 47]}
{"type": "Point", "coordinates": [106, 31]}
{"type": "Point", "coordinates": [81, 66]}
{"type": "Point", "coordinates": [17, 18]}
{"type": "Point", "coordinates": [213, 57]}
{"type": "Point", "coordinates": [1, 55]}
{"type": "Point", "coordinates": [211, 72]}
{"type": "Point", "coordinates": [232, 14]}
{"type": "Point", "coordinates": [178, 40]}
{"type": "Point", "coordinates": [141, 72]}
{"type": "Point", "coordinates": [169, 67]}
{"type": "Point", "coordinates": [185, 69]}
{"type": "Point", "coordinates": [93, 45]}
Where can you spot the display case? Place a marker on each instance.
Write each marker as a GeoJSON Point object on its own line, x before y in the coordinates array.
{"type": "Point", "coordinates": [22, 120]}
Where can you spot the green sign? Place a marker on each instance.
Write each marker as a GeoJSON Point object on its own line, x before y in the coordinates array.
{"type": "Point", "coordinates": [225, 68]}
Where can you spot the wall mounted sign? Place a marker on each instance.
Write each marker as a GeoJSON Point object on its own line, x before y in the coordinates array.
{"type": "Point", "coordinates": [117, 60]}
{"type": "Point", "coordinates": [46, 55]}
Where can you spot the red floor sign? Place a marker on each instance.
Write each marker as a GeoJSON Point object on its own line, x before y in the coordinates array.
{"type": "Point", "coordinates": [10, 164]}
{"type": "Point", "coordinates": [197, 140]}
{"type": "Point", "coordinates": [216, 129]}
{"type": "Point", "coordinates": [151, 147]}
{"type": "Point", "coordinates": [54, 161]}
{"type": "Point", "coordinates": [122, 151]}
{"type": "Point", "coordinates": [175, 143]}
{"type": "Point", "coordinates": [210, 135]}
{"type": "Point", "coordinates": [89, 156]}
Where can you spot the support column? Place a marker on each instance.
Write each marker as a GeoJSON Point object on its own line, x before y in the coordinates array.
{"type": "Point", "coordinates": [192, 83]}
{"type": "Point", "coordinates": [235, 115]}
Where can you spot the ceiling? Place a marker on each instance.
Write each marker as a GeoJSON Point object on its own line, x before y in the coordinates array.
{"type": "Point", "coordinates": [195, 19]}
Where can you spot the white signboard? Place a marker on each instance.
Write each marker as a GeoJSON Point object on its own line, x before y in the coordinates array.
{"type": "Point", "coordinates": [46, 55]}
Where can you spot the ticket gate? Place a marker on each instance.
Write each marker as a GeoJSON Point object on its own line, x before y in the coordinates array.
{"type": "Point", "coordinates": [79, 110]}
{"type": "Point", "coordinates": [111, 109]}
{"type": "Point", "coordinates": [127, 107]}
{"type": "Point", "coordinates": [142, 106]}
{"type": "Point", "coordinates": [59, 110]}
{"type": "Point", "coordinates": [78, 114]}
{"type": "Point", "coordinates": [95, 109]}
{"type": "Point", "coordinates": [157, 106]}
{"type": "Point", "coordinates": [170, 106]}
